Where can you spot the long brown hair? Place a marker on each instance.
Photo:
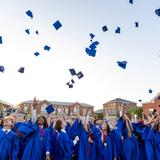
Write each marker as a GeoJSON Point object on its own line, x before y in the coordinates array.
{"type": "Point", "coordinates": [58, 125]}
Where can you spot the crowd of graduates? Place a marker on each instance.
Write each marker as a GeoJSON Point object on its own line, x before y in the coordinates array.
{"type": "Point", "coordinates": [41, 138]}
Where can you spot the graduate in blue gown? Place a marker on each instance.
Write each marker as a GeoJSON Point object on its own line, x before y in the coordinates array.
{"type": "Point", "coordinates": [87, 146]}
{"type": "Point", "coordinates": [106, 149]}
{"type": "Point", "coordinates": [64, 145]}
{"type": "Point", "coordinates": [38, 145]}
{"type": "Point", "coordinates": [9, 142]}
{"type": "Point", "coordinates": [130, 146]}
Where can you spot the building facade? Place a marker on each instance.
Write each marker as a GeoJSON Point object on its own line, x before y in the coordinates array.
{"type": "Point", "coordinates": [148, 107]}
{"type": "Point", "coordinates": [113, 107]}
{"type": "Point", "coordinates": [70, 109]}
{"type": "Point", "coordinates": [5, 108]}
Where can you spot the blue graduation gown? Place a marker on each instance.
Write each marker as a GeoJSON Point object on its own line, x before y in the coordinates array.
{"type": "Point", "coordinates": [36, 147]}
{"type": "Point", "coordinates": [64, 146]}
{"type": "Point", "coordinates": [9, 145]}
{"type": "Point", "coordinates": [97, 136]}
{"type": "Point", "coordinates": [87, 151]}
{"type": "Point", "coordinates": [129, 146]}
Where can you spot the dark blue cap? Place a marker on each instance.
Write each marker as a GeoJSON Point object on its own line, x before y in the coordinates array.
{"type": "Point", "coordinates": [27, 31]}
{"type": "Point", "coordinates": [37, 32]}
{"type": "Point", "coordinates": [150, 91]}
{"type": "Point", "coordinates": [136, 24]}
{"type": "Point", "coordinates": [131, 1]}
{"type": "Point", "coordinates": [140, 100]}
{"type": "Point", "coordinates": [118, 30]}
{"type": "Point", "coordinates": [80, 75]}
{"type": "Point", "coordinates": [104, 28]}
{"type": "Point", "coordinates": [157, 12]}
{"type": "Point", "coordinates": [2, 68]}
{"type": "Point", "coordinates": [1, 40]}
{"type": "Point", "coordinates": [70, 85]}
{"type": "Point", "coordinates": [50, 108]}
{"type": "Point", "coordinates": [47, 48]}
{"type": "Point", "coordinates": [122, 64]}
{"type": "Point", "coordinates": [29, 13]}
{"type": "Point", "coordinates": [92, 36]}
{"type": "Point", "coordinates": [72, 80]}
{"type": "Point", "coordinates": [36, 53]}
{"type": "Point", "coordinates": [72, 71]}
{"type": "Point", "coordinates": [21, 70]}
{"type": "Point", "coordinates": [57, 25]}
{"type": "Point", "coordinates": [91, 52]}
{"type": "Point", "coordinates": [94, 45]}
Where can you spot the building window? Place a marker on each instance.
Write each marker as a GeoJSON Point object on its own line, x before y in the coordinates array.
{"type": "Point", "coordinates": [66, 111]}
{"type": "Point", "coordinates": [59, 110]}
{"type": "Point", "coordinates": [25, 109]}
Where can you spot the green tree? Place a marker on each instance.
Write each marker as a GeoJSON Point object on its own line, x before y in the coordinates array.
{"type": "Point", "coordinates": [135, 110]}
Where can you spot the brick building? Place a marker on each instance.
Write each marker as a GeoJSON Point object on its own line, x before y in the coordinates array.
{"type": "Point", "coordinates": [148, 107]}
{"type": "Point", "coordinates": [112, 107]}
{"type": "Point", "coordinates": [69, 108]}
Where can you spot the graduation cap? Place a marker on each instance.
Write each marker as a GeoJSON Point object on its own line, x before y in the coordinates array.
{"type": "Point", "coordinates": [72, 71]}
{"type": "Point", "coordinates": [2, 68]}
{"type": "Point", "coordinates": [70, 85]}
{"type": "Point", "coordinates": [37, 32]}
{"type": "Point", "coordinates": [21, 70]}
{"type": "Point", "coordinates": [140, 100]}
{"type": "Point", "coordinates": [157, 12]}
{"type": "Point", "coordinates": [150, 91]}
{"type": "Point", "coordinates": [92, 36]}
{"type": "Point", "coordinates": [47, 48]}
{"type": "Point", "coordinates": [27, 31]}
{"type": "Point", "coordinates": [80, 75]}
{"type": "Point", "coordinates": [1, 40]}
{"type": "Point", "coordinates": [50, 108]}
{"type": "Point", "coordinates": [104, 28]}
{"type": "Point", "coordinates": [72, 81]}
{"type": "Point", "coordinates": [94, 45]}
{"type": "Point", "coordinates": [29, 14]}
{"type": "Point", "coordinates": [91, 52]}
{"type": "Point", "coordinates": [57, 25]}
{"type": "Point", "coordinates": [136, 24]}
{"type": "Point", "coordinates": [36, 53]}
{"type": "Point", "coordinates": [122, 64]}
{"type": "Point", "coordinates": [131, 1]}
{"type": "Point", "coordinates": [118, 30]}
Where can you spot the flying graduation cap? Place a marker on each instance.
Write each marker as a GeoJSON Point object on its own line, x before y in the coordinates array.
{"type": "Point", "coordinates": [21, 70]}
{"type": "Point", "coordinates": [91, 51]}
{"type": "Point", "coordinates": [37, 32]}
{"type": "Point", "coordinates": [122, 64]}
{"type": "Point", "coordinates": [1, 40]}
{"type": "Point", "coordinates": [2, 69]}
{"type": "Point", "coordinates": [50, 109]}
{"type": "Point", "coordinates": [29, 14]}
{"type": "Point", "coordinates": [69, 84]}
{"type": "Point", "coordinates": [92, 36]}
{"type": "Point", "coordinates": [150, 91]}
{"type": "Point", "coordinates": [157, 12]}
{"type": "Point", "coordinates": [131, 1]}
{"type": "Point", "coordinates": [80, 75]}
{"type": "Point", "coordinates": [72, 71]}
{"type": "Point", "coordinates": [118, 30]}
{"type": "Point", "coordinates": [140, 100]}
{"type": "Point", "coordinates": [36, 54]}
{"type": "Point", "coordinates": [136, 24]}
{"type": "Point", "coordinates": [57, 25]}
{"type": "Point", "coordinates": [27, 31]}
{"type": "Point", "coordinates": [47, 48]}
{"type": "Point", "coordinates": [104, 28]}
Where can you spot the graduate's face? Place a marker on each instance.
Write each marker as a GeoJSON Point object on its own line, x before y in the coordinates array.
{"type": "Point", "coordinates": [40, 120]}
{"type": "Point", "coordinates": [8, 122]}
{"type": "Point", "coordinates": [104, 126]}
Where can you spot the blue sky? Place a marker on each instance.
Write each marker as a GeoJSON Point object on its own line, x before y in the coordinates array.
{"type": "Point", "coordinates": [45, 76]}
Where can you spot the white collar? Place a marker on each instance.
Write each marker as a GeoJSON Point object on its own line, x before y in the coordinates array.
{"type": "Point", "coordinates": [7, 131]}
{"type": "Point", "coordinates": [63, 130]}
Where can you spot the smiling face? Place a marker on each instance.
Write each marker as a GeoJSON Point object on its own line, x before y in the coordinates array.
{"type": "Point", "coordinates": [41, 120]}
{"type": "Point", "coordinates": [8, 122]}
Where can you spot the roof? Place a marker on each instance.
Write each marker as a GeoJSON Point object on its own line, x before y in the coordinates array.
{"type": "Point", "coordinates": [99, 111]}
{"type": "Point", "coordinates": [5, 103]}
{"type": "Point", "coordinates": [155, 97]}
{"type": "Point", "coordinates": [119, 100]}
{"type": "Point", "coordinates": [59, 103]}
